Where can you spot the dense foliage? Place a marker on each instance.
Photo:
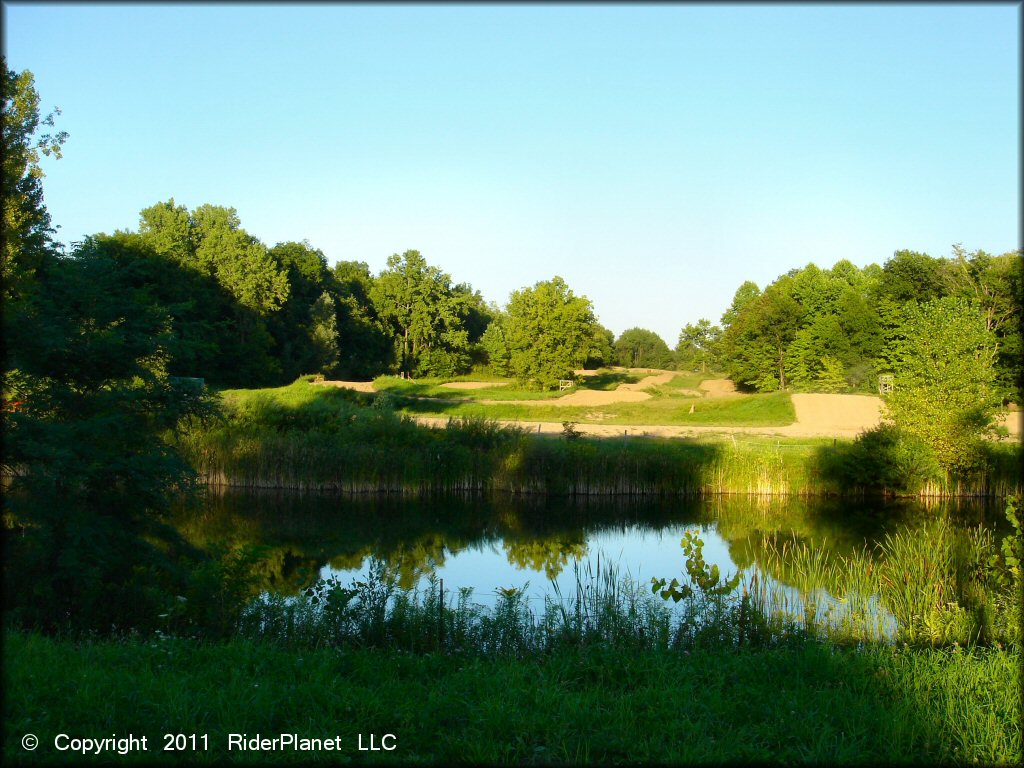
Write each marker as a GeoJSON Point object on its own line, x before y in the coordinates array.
{"type": "Point", "coordinates": [838, 329]}
{"type": "Point", "coordinates": [640, 348]}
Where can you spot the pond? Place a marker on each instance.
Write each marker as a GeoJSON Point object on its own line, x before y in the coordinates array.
{"type": "Point", "coordinates": [550, 546]}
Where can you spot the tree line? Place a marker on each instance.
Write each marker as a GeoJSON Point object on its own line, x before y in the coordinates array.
{"type": "Point", "coordinates": [247, 315]}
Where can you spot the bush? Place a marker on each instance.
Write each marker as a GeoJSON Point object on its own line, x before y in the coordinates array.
{"type": "Point", "coordinates": [884, 459]}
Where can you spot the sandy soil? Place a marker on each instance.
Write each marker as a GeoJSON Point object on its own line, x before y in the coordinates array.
{"type": "Point", "coordinates": [718, 387]}
{"type": "Point", "coordinates": [359, 386]}
{"type": "Point", "coordinates": [474, 384]}
{"type": "Point", "coordinates": [817, 415]}
{"type": "Point", "coordinates": [624, 393]}
{"type": "Point", "coordinates": [837, 414]}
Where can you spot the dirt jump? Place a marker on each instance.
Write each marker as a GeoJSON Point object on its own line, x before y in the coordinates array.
{"type": "Point", "coordinates": [817, 415]}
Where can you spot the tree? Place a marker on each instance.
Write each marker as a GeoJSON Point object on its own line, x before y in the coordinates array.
{"type": "Point", "coordinates": [912, 276]}
{"type": "Point", "coordinates": [366, 349]}
{"type": "Point", "coordinates": [26, 237]}
{"type": "Point", "coordinates": [425, 314]}
{"type": "Point", "coordinates": [745, 294]}
{"type": "Point", "coordinates": [91, 477]}
{"type": "Point", "coordinates": [944, 375]}
{"type": "Point", "coordinates": [698, 345]}
{"type": "Point", "coordinates": [832, 375]}
{"type": "Point", "coordinates": [640, 348]}
{"type": "Point", "coordinates": [549, 332]}
{"type": "Point", "coordinates": [756, 342]}
{"type": "Point", "coordinates": [253, 285]}
{"type": "Point", "coordinates": [495, 344]}
{"type": "Point", "coordinates": [601, 352]}
{"type": "Point", "coordinates": [239, 261]}
{"type": "Point", "coordinates": [996, 285]}
{"type": "Point", "coordinates": [323, 333]}
{"type": "Point", "coordinates": [300, 329]}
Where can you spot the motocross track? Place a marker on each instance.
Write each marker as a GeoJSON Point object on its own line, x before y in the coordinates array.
{"type": "Point", "coordinates": [817, 415]}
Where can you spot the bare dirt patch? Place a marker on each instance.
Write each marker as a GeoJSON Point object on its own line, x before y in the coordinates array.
{"type": "Point", "coordinates": [624, 393]}
{"type": "Point", "coordinates": [474, 384]}
{"type": "Point", "coordinates": [359, 386]}
{"type": "Point", "coordinates": [837, 414]}
{"type": "Point", "coordinates": [718, 387]}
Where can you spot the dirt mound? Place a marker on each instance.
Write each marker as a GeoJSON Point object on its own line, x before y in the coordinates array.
{"type": "Point", "coordinates": [359, 386]}
{"type": "Point", "coordinates": [650, 381]}
{"type": "Point", "coordinates": [474, 384]}
{"type": "Point", "coordinates": [718, 387]}
{"type": "Point", "coordinates": [836, 414]}
{"type": "Point", "coordinates": [624, 393]}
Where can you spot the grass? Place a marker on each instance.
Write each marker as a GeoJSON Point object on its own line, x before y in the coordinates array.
{"type": "Point", "coordinates": [304, 437]}
{"type": "Point", "coordinates": [771, 410]}
{"type": "Point", "coordinates": [806, 702]}
{"type": "Point", "coordinates": [431, 388]}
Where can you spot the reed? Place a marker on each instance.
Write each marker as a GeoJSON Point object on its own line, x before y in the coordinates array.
{"type": "Point", "coordinates": [305, 437]}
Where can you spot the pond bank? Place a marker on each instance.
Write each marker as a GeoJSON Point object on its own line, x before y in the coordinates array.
{"type": "Point", "coordinates": [375, 452]}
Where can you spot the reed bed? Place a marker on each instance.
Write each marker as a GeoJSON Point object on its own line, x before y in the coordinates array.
{"type": "Point", "coordinates": [931, 585]}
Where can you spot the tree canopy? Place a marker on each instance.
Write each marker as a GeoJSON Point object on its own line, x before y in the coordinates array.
{"type": "Point", "coordinates": [549, 332]}
{"type": "Point", "coordinates": [640, 348]}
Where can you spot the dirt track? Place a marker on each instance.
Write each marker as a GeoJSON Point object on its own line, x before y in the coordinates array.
{"type": "Point", "coordinates": [817, 415]}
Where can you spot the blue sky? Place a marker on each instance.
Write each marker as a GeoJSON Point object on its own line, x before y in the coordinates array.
{"type": "Point", "coordinates": [654, 156]}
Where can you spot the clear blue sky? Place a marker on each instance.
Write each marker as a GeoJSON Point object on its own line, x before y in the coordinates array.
{"type": "Point", "coordinates": [654, 156]}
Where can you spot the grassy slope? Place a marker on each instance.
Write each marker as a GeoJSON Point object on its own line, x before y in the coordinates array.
{"type": "Point", "coordinates": [808, 703]}
{"type": "Point", "coordinates": [772, 410]}
{"type": "Point", "coordinates": [669, 406]}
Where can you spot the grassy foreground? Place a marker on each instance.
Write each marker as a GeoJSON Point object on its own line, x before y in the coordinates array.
{"type": "Point", "coordinates": [808, 703]}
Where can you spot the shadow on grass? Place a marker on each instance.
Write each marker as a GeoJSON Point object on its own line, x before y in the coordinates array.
{"type": "Point", "coordinates": [887, 462]}
{"type": "Point", "coordinates": [806, 704]}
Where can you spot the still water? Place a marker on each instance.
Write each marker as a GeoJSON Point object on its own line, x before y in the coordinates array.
{"type": "Point", "coordinates": [543, 545]}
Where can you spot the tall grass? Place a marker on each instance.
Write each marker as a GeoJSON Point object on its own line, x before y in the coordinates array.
{"type": "Point", "coordinates": [932, 585]}
{"type": "Point", "coordinates": [306, 437]}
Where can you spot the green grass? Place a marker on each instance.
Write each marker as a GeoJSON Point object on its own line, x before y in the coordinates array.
{"type": "Point", "coordinates": [807, 703]}
{"type": "Point", "coordinates": [605, 380]}
{"type": "Point", "coordinates": [306, 436]}
{"type": "Point", "coordinates": [771, 410]}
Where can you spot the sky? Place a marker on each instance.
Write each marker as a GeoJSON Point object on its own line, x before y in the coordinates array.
{"type": "Point", "coordinates": [654, 156]}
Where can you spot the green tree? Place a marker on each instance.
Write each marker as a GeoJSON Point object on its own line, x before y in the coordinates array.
{"type": "Point", "coordinates": [495, 344]}
{"type": "Point", "coordinates": [323, 333]}
{"type": "Point", "coordinates": [755, 343]}
{"type": "Point", "coordinates": [251, 284]}
{"type": "Point", "coordinates": [26, 237]}
{"type": "Point", "coordinates": [745, 294]}
{"type": "Point", "coordinates": [832, 376]}
{"type": "Point", "coordinates": [601, 350]}
{"type": "Point", "coordinates": [549, 332]}
{"type": "Point", "coordinates": [698, 346]}
{"type": "Point", "coordinates": [366, 348]}
{"type": "Point", "coordinates": [240, 262]}
{"type": "Point", "coordinates": [944, 376]}
{"type": "Point", "coordinates": [640, 348]}
{"type": "Point", "coordinates": [912, 276]}
{"type": "Point", "coordinates": [425, 314]}
{"type": "Point", "coordinates": [996, 285]}
{"type": "Point", "coordinates": [90, 475]}
{"type": "Point", "coordinates": [299, 327]}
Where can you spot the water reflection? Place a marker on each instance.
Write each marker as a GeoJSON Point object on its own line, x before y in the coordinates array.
{"type": "Point", "coordinates": [487, 544]}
